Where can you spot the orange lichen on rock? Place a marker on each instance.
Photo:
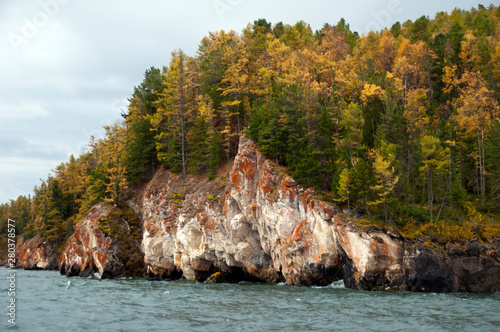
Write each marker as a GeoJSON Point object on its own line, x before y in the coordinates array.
{"type": "Point", "coordinates": [289, 189]}
{"type": "Point", "coordinates": [255, 222]}
{"type": "Point", "coordinates": [266, 181]}
{"type": "Point", "coordinates": [236, 178]}
{"type": "Point", "coordinates": [379, 247]}
{"type": "Point", "coordinates": [249, 168]}
{"type": "Point", "coordinates": [90, 248]}
{"type": "Point", "coordinates": [36, 253]}
{"type": "Point", "coordinates": [302, 234]}
{"type": "Point", "coordinates": [206, 222]}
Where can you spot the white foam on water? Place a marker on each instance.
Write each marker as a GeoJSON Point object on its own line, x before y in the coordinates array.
{"type": "Point", "coordinates": [337, 284]}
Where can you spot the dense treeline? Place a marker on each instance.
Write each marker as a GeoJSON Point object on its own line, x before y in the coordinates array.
{"type": "Point", "coordinates": [401, 124]}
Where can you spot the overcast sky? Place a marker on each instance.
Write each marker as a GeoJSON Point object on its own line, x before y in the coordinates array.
{"type": "Point", "coordinates": [67, 67]}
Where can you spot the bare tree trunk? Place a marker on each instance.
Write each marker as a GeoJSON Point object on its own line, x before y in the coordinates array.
{"type": "Point", "coordinates": [366, 206]}
{"type": "Point", "coordinates": [182, 108]}
{"type": "Point", "coordinates": [412, 163]}
{"type": "Point", "coordinates": [483, 172]}
{"type": "Point", "coordinates": [117, 172]}
{"type": "Point", "coordinates": [431, 194]}
{"type": "Point", "coordinates": [480, 167]}
{"type": "Point", "coordinates": [385, 210]}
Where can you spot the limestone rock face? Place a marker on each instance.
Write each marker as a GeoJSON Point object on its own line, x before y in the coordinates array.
{"type": "Point", "coordinates": [375, 259]}
{"type": "Point", "coordinates": [36, 254]}
{"type": "Point", "coordinates": [89, 250]}
{"type": "Point", "coordinates": [294, 234]}
{"type": "Point", "coordinates": [261, 225]}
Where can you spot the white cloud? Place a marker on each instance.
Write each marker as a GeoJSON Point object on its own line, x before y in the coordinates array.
{"type": "Point", "coordinates": [21, 111]}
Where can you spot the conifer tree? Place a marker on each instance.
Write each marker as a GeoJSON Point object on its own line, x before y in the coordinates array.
{"type": "Point", "coordinates": [114, 159]}
{"type": "Point", "coordinates": [435, 164]}
{"type": "Point", "coordinates": [385, 174]}
{"type": "Point", "coordinates": [170, 120]}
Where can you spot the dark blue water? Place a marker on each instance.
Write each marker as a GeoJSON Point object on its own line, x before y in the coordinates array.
{"type": "Point", "coordinates": [47, 301]}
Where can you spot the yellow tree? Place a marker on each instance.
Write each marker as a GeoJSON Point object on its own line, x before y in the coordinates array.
{"type": "Point", "coordinates": [371, 92]}
{"type": "Point", "coordinates": [235, 78]}
{"type": "Point", "coordinates": [417, 120]}
{"type": "Point", "coordinates": [476, 111]}
{"type": "Point", "coordinates": [257, 38]}
{"type": "Point", "coordinates": [344, 186]}
{"type": "Point", "coordinates": [369, 49]}
{"type": "Point", "coordinates": [333, 51]}
{"type": "Point", "coordinates": [496, 69]}
{"type": "Point", "coordinates": [211, 67]}
{"type": "Point", "coordinates": [385, 174]}
{"type": "Point", "coordinates": [334, 46]}
{"type": "Point", "coordinates": [411, 64]}
{"type": "Point", "coordinates": [276, 66]}
{"type": "Point", "coordinates": [436, 161]}
{"type": "Point", "coordinates": [348, 146]}
{"type": "Point", "coordinates": [387, 49]}
{"type": "Point", "coordinates": [115, 161]}
{"type": "Point", "coordinates": [170, 120]}
{"type": "Point", "coordinates": [348, 82]}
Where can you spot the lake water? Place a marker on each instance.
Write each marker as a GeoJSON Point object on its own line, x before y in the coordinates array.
{"type": "Point", "coordinates": [47, 301]}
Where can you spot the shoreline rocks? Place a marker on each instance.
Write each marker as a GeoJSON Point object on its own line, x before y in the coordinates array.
{"type": "Point", "coordinates": [255, 223]}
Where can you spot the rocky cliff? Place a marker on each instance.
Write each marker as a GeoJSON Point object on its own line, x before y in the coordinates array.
{"type": "Point", "coordinates": [261, 225]}
{"type": "Point", "coordinates": [37, 254]}
{"type": "Point", "coordinates": [104, 242]}
{"type": "Point", "coordinates": [254, 222]}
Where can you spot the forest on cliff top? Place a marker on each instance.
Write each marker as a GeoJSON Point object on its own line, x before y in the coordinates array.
{"type": "Point", "coordinates": [401, 126]}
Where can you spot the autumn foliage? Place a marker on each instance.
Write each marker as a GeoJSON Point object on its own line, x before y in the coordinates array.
{"type": "Point", "coordinates": [401, 124]}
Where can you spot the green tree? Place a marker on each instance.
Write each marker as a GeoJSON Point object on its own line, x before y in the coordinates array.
{"type": "Point", "coordinates": [199, 147]}
{"type": "Point", "coordinates": [170, 120]}
{"type": "Point", "coordinates": [140, 148]}
{"type": "Point", "coordinates": [492, 153]}
{"type": "Point", "coordinates": [352, 122]}
{"type": "Point", "coordinates": [344, 186]}
{"type": "Point", "coordinates": [114, 163]}
{"type": "Point", "coordinates": [385, 175]}
{"type": "Point", "coordinates": [436, 162]}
